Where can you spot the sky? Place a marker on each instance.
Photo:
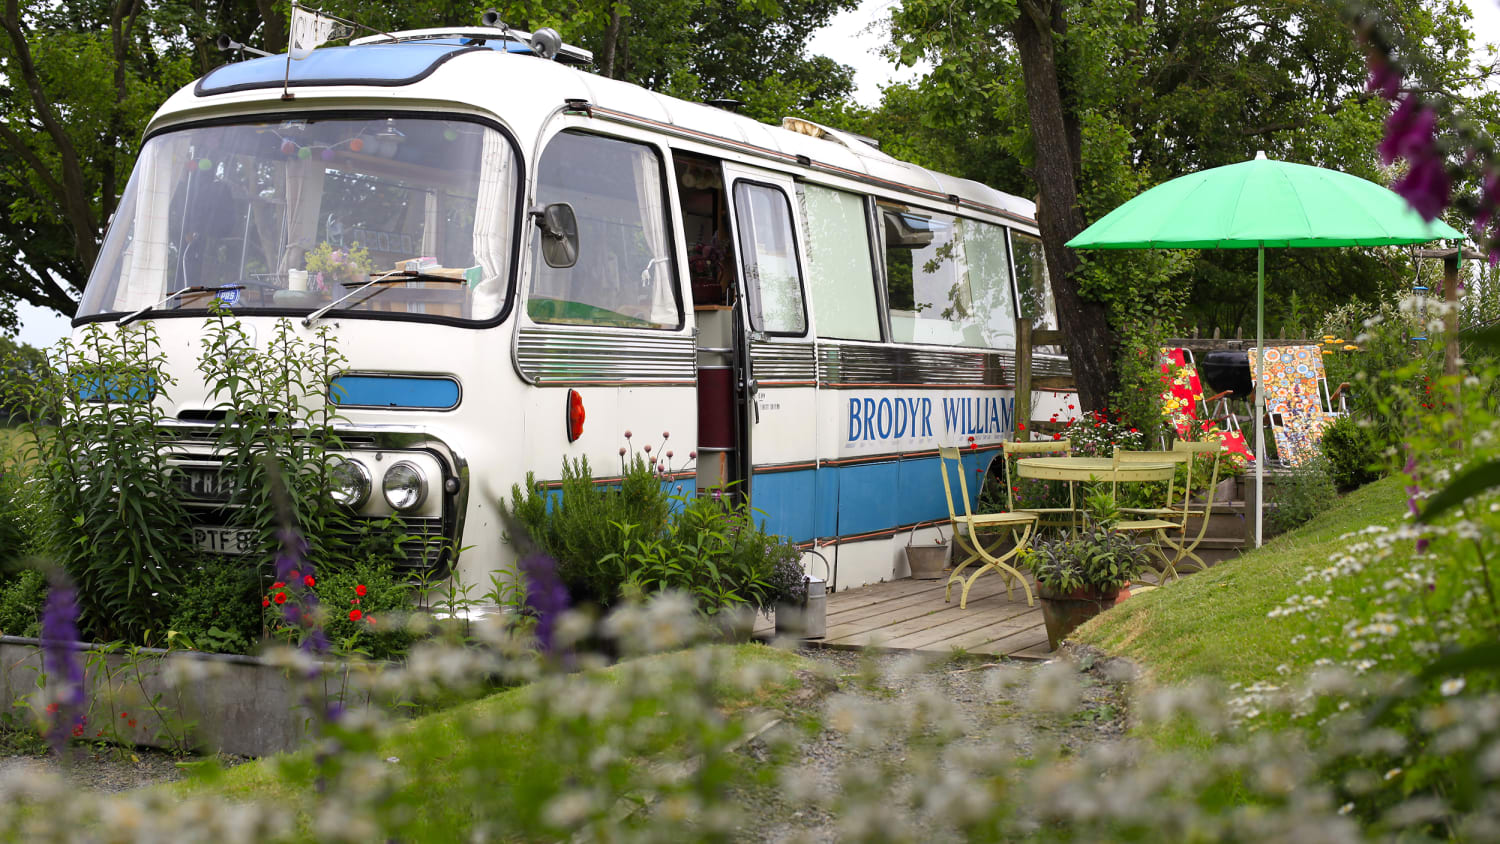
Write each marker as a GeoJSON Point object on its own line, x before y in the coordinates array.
{"type": "Point", "coordinates": [853, 38]}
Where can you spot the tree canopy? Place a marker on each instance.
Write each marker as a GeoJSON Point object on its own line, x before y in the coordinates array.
{"type": "Point", "coordinates": [83, 78]}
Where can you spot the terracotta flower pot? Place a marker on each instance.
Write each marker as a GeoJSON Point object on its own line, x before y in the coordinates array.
{"type": "Point", "coordinates": [1063, 612]}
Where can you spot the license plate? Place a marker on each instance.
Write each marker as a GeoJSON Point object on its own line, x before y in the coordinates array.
{"type": "Point", "coordinates": [202, 484]}
{"type": "Point", "coordinates": [224, 540]}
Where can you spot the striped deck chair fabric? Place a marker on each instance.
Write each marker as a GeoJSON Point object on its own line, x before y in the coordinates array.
{"type": "Point", "coordinates": [1184, 406]}
{"type": "Point", "coordinates": [1294, 400]}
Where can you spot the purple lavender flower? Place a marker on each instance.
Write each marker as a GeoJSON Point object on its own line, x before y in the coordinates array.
{"type": "Point", "coordinates": [62, 663]}
{"type": "Point", "coordinates": [546, 596]}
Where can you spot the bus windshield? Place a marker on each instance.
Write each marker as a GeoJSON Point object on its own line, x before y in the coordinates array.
{"type": "Point", "coordinates": [289, 216]}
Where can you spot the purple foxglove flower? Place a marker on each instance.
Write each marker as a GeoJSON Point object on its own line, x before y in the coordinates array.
{"type": "Point", "coordinates": [1426, 186]}
{"type": "Point", "coordinates": [1385, 77]}
{"type": "Point", "coordinates": [62, 662]}
{"type": "Point", "coordinates": [1409, 131]}
{"type": "Point", "coordinates": [546, 596]}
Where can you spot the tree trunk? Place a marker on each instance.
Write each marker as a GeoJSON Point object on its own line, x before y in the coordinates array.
{"type": "Point", "coordinates": [611, 39]}
{"type": "Point", "coordinates": [1057, 139]}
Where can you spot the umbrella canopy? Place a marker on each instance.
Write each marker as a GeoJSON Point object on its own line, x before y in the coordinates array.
{"type": "Point", "coordinates": [1255, 204]}
{"type": "Point", "coordinates": [1262, 203]}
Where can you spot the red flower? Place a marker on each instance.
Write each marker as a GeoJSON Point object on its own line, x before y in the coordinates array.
{"type": "Point", "coordinates": [1057, 436]}
{"type": "Point", "coordinates": [265, 602]}
{"type": "Point", "coordinates": [355, 615]}
{"type": "Point", "coordinates": [1020, 426]}
{"type": "Point", "coordinates": [131, 722]}
{"type": "Point", "coordinates": [124, 714]}
{"type": "Point", "coordinates": [309, 580]}
{"type": "Point", "coordinates": [280, 597]}
{"type": "Point", "coordinates": [370, 620]}
{"type": "Point", "coordinates": [51, 709]}
{"type": "Point", "coordinates": [296, 575]}
{"type": "Point", "coordinates": [278, 585]}
{"type": "Point", "coordinates": [360, 590]}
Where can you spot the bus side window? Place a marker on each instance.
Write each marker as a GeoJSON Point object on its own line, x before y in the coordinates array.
{"type": "Point", "coordinates": [773, 282]}
{"type": "Point", "coordinates": [842, 283]}
{"type": "Point", "coordinates": [625, 274]}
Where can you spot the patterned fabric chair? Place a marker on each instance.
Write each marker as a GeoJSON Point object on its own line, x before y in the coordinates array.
{"type": "Point", "coordinates": [1296, 396]}
{"type": "Point", "coordinates": [1189, 412]}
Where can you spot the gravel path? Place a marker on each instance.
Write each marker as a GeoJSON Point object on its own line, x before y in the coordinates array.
{"type": "Point", "coordinates": [1100, 715]}
{"type": "Point", "coordinates": [106, 769]}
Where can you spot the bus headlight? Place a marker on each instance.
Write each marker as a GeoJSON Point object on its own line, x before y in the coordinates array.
{"type": "Point", "coordinates": [405, 486]}
{"type": "Point", "coordinates": [349, 483]}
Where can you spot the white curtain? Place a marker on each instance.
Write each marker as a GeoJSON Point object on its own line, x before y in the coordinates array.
{"type": "Point", "coordinates": [146, 264]}
{"type": "Point", "coordinates": [304, 195]}
{"type": "Point", "coordinates": [492, 229]}
{"type": "Point", "coordinates": [653, 226]}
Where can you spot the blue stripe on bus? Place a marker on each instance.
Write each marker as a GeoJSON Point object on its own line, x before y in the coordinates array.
{"type": "Point", "coordinates": [404, 393]}
{"type": "Point", "coordinates": [849, 500]}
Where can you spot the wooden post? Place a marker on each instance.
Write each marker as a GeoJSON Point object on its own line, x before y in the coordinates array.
{"type": "Point", "coordinates": [1450, 320]}
{"type": "Point", "coordinates": [1023, 381]}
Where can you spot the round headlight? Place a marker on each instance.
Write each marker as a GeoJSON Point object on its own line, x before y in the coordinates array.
{"type": "Point", "coordinates": [405, 487]}
{"type": "Point", "coordinates": [349, 483]}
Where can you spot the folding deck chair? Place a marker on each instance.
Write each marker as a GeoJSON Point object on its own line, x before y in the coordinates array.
{"type": "Point", "coordinates": [966, 530]}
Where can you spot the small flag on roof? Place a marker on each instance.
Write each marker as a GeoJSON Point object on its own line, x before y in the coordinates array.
{"type": "Point", "coordinates": [311, 29]}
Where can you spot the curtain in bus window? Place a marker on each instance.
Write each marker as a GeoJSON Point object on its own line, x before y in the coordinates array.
{"type": "Point", "coordinates": [304, 193]}
{"type": "Point", "coordinates": [842, 283]}
{"type": "Point", "coordinates": [623, 257]}
{"type": "Point", "coordinates": [148, 257]}
{"type": "Point", "coordinates": [992, 311]}
{"type": "Point", "coordinates": [656, 276]}
{"type": "Point", "coordinates": [927, 283]}
{"type": "Point", "coordinates": [492, 218]}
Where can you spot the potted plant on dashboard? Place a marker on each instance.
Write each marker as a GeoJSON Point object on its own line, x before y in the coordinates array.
{"type": "Point", "coordinates": [1080, 574]}
{"type": "Point", "coordinates": [334, 269]}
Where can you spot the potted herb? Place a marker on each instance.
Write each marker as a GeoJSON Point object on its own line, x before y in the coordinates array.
{"type": "Point", "coordinates": [1080, 574]}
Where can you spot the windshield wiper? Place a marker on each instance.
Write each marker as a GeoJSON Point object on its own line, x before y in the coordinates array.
{"type": "Point", "coordinates": [132, 317]}
{"type": "Point", "coordinates": [392, 276]}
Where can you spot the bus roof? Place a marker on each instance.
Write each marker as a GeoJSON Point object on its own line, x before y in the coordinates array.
{"type": "Point", "coordinates": [500, 76]}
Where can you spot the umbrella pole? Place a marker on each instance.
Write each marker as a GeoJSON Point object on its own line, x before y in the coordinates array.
{"type": "Point", "coordinates": [1260, 391]}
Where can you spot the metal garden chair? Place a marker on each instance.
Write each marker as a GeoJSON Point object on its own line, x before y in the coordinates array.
{"type": "Point", "coordinates": [1155, 521]}
{"type": "Point", "coordinates": [966, 536]}
{"type": "Point", "coordinates": [1011, 451]}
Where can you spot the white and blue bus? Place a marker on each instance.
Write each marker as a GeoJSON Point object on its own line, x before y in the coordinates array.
{"type": "Point", "coordinates": [579, 257]}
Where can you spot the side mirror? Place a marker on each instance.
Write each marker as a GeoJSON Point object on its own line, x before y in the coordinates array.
{"type": "Point", "coordinates": [559, 229]}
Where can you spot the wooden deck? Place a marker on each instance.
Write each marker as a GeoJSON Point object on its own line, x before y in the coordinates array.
{"type": "Point", "coordinates": [911, 615]}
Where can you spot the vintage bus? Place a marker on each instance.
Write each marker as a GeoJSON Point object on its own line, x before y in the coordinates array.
{"type": "Point", "coordinates": [558, 258]}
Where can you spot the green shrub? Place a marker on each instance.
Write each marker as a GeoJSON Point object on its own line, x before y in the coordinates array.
{"type": "Point", "coordinates": [21, 596]}
{"type": "Point", "coordinates": [216, 609]}
{"type": "Point", "coordinates": [1094, 558]}
{"type": "Point", "coordinates": [1350, 450]}
{"type": "Point", "coordinates": [378, 632]}
{"type": "Point", "coordinates": [1303, 493]}
{"type": "Point", "coordinates": [584, 522]}
{"type": "Point", "coordinates": [610, 539]}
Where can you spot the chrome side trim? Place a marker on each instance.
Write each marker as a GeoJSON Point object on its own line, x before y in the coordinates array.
{"type": "Point", "coordinates": [845, 365]}
{"type": "Point", "coordinates": [547, 356]}
{"type": "Point", "coordinates": [777, 362]}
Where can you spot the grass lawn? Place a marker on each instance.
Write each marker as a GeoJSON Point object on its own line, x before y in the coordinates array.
{"type": "Point", "coordinates": [11, 439]}
{"type": "Point", "coordinates": [434, 751]}
{"type": "Point", "coordinates": [1213, 624]}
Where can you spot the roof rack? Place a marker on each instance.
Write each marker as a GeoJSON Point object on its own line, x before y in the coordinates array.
{"type": "Point", "coordinates": [567, 53]}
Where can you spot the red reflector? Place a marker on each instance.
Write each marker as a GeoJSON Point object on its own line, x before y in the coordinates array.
{"type": "Point", "coordinates": [575, 415]}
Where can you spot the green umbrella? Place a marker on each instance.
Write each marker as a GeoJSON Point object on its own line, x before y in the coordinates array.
{"type": "Point", "coordinates": [1255, 204]}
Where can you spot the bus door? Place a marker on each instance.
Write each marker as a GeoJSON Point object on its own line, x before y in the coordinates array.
{"type": "Point", "coordinates": [775, 357]}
